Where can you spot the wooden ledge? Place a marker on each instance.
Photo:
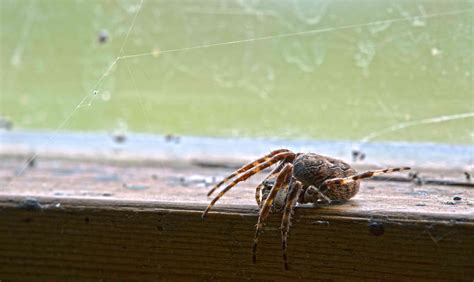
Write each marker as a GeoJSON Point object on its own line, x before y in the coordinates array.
{"type": "Point", "coordinates": [69, 219]}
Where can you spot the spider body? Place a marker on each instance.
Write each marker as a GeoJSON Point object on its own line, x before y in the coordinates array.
{"type": "Point", "coordinates": [312, 170]}
{"type": "Point", "coordinates": [297, 178]}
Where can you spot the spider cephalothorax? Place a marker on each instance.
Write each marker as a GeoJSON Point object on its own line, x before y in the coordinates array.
{"type": "Point", "coordinates": [302, 178]}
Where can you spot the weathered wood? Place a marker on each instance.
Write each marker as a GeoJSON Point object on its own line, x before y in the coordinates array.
{"type": "Point", "coordinates": [76, 220]}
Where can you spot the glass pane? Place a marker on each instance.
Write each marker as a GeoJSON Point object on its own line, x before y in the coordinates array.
{"type": "Point", "coordinates": [345, 70]}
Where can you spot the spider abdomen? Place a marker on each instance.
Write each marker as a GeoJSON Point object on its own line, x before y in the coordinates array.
{"type": "Point", "coordinates": [313, 169]}
{"type": "Point", "coordinates": [303, 178]}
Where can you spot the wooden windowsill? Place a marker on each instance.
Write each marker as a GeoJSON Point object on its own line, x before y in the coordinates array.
{"type": "Point", "coordinates": [67, 218]}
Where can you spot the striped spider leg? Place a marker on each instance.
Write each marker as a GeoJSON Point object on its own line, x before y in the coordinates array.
{"type": "Point", "coordinates": [247, 171]}
{"type": "Point", "coordinates": [300, 178]}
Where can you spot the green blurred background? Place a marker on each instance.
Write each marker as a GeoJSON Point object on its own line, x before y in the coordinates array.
{"type": "Point", "coordinates": [374, 64]}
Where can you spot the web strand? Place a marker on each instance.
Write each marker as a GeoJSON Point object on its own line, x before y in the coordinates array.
{"type": "Point", "coordinates": [300, 33]}
{"type": "Point", "coordinates": [131, 27]}
{"type": "Point", "coordinates": [88, 98]}
{"type": "Point", "coordinates": [404, 125]}
{"type": "Point", "coordinates": [89, 95]}
{"type": "Point", "coordinates": [140, 100]}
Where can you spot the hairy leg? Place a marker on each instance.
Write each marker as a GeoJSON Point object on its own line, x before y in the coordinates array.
{"type": "Point", "coordinates": [293, 195]}
{"type": "Point", "coordinates": [275, 172]}
{"type": "Point", "coordinates": [282, 178]}
{"type": "Point", "coordinates": [247, 175]}
{"type": "Point", "coordinates": [247, 167]}
{"type": "Point", "coordinates": [367, 174]}
{"type": "Point", "coordinates": [316, 196]}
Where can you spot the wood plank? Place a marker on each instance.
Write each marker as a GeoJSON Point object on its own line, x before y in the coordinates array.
{"type": "Point", "coordinates": [88, 220]}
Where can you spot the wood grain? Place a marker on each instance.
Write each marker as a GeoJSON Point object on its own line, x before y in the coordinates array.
{"type": "Point", "coordinates": [87, 221]}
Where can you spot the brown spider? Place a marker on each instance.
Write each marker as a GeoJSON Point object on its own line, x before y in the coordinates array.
{"type": "Point", "coordinates": [305, 178]}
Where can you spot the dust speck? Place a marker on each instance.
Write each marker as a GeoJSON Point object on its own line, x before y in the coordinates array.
{"type": "Point", "coordinates": [376, 228]}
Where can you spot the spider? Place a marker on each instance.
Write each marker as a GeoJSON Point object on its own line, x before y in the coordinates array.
{"type": "Point", "coordinates": [298, 178]}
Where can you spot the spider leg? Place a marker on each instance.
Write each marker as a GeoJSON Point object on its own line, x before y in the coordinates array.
{"type": "Point", "coordinates": [293, 195]}
{"type": "Point", "coordinates": [272, 174]}
{"type": "Point", "coordinates": [265, 210]}
{"type": "Point", "coordinates": [247, 167]}
{"type": "Point", "coordinates": [312, 189]}
{"type": "Point", "coordinates": [367, 174]}
{"type": "Point", "coordinates": [247, 175]}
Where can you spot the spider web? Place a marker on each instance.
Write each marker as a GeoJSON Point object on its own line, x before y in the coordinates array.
{"type": "Point", "coordinates": [248, 68]}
